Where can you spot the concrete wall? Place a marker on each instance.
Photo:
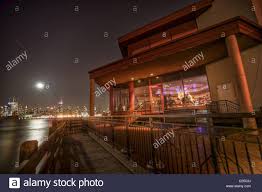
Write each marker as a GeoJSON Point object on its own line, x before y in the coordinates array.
{"type": "Point", "coordinates": [217, 75]}
{"type": "Point", "coordinates": [222, 72]}
{"type": "Point", "coordinates": [252, 59]}
{"type": "Point", "coordinates": [258, 7]}
{"type": "Point", "coordinates": [222, 10]}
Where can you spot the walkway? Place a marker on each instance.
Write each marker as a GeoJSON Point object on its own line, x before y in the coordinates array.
{"type": "Point", "coordinates": [82, 154]}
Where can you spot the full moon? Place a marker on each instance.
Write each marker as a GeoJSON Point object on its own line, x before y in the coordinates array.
{"type": "Point", "coordinates": [40, 85]}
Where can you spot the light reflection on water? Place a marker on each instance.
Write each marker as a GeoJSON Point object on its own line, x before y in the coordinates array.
{"type": "Point", "coordinates": [13, 133]}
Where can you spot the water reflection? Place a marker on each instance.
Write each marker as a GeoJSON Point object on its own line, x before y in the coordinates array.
{"type": "Point", "coordinates": [13, 133]}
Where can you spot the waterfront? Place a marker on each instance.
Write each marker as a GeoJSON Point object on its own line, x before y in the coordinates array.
{"type": "Point", "coordinates": [13, 133]}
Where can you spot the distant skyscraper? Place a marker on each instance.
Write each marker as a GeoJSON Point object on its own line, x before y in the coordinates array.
{"type": "Point", "coordinates": [5, 114]}
{"type": "Point", "coordinates": [60, 106]}
{"type": "Point", "coordinates": [13, 107]}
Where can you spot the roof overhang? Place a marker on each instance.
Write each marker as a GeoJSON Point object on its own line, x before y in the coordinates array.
{"type": "Point", "coordinates": [210, 39]}
{"type": "Point", "coordinates": [181, 16]}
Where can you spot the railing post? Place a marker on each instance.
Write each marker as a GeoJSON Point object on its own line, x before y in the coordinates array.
{"type": "Point", "coordinates": [27, 149]}
{"type": "Point", "coordinates": [113, 134]}
{"type": "Point", "coordinates": [152, 141]}
{"type": "Point", "coordinates": [217, 107]}
{"type": "Point", "coordinates": [227, 106]}
{"type": "Point", "coordinates": [213, 144]}
{"type": "Point", "coordinates": [127, 138]}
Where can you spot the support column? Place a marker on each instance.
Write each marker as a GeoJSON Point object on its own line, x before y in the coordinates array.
{"type": "Point", "coordinates": [150, 95]}
{"type": "Point", "coordinates": [131, 96]}
{"type": "Point", "coordinates": [111, 100]}
{"type": "Point", "coordinates": [258, 10]}
{"type": "Point", "coordinates": [234, 53]}
{"type": "Point", "coordinates": [92, 97]}
{"type": "Point", "coordinates": [162, 98]}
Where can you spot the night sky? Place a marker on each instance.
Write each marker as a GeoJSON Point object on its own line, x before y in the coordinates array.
{"type": "Point", "coordinates": [71, 35]}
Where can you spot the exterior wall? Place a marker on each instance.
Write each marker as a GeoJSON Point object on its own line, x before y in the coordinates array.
{"type": "Point", "coordinates": [252, 59]}
{"type": "Point", "coordinates": [217, 75]}
{"type": "Point", "coordinates": [222, 10]}
{"type": "Point", "coordinates": [258, 7]}
{"type": "Point", "coordinates": [228, 74]}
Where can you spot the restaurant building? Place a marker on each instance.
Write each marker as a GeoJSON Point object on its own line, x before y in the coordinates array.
{"type": "Point", "coordinates": [209, 51]}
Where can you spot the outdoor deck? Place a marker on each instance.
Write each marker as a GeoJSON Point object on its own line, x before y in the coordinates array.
{"type": "Point", "coordinates": [128, 145]}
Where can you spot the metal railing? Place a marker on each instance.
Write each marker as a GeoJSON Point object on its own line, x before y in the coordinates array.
{"type": "Point", "coordinates": [174, 144]}
{"type": "Point", "coordinates": [223, 106]}
{"type": "Point", "coordinates": [166, 144]}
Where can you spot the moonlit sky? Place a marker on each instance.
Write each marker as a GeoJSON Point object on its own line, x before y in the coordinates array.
{"type": "Point", "coordinates": [70, 35]}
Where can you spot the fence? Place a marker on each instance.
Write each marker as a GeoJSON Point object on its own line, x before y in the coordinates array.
{"type": "Point", "coordinates": [166, 144]}
{"type": "Point", "coordinates": [185, 144]}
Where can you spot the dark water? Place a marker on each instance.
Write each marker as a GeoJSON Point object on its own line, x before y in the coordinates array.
{"type": "Point", "coordinates": [13, 133]}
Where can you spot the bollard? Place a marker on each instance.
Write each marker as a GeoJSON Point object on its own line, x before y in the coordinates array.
{"type": "Point", "coordinates": [27, 149]}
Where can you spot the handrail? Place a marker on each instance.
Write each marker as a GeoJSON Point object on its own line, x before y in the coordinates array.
{"type": "Point", "coordinates": [200, 115]}
{"type": "Point", "coordinates": [223, 106]}
{"type": "Point", "coordinates": [137, 139]}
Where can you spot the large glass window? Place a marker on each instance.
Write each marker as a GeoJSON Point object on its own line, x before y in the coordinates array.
{"type": "Point", "coordinates": [142, 102]}
{"type": "Point", "coordinates": [178, 91]}
{"type": "Point", "coordinates": [173, 94]}
{"type": "Point", "coordinates": [196, 91]}
{"type": "Point", "coordinates": [156, 103]}
{"type": "Point", "coordinates": [189, 92]}
{"type": "Point", "coordinates": [121, 99]}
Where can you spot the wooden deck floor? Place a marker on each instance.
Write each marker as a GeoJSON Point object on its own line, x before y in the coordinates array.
{"type": "Point", "coordinates": [82, 154]}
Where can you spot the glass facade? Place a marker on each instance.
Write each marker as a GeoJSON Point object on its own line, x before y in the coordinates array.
{"type": "Point", "coordinates": [142, 100]}
{"type": "Point", "coordinates": [189, 92]}
{"type": "Point", "coordinates": [173, 94]}
{"type": "Point", "coordinates": [167, 93]}
{"type": "Point", "coordinates": [121, 99]}
{"type": "Point", "coordinates": [156, 97]}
